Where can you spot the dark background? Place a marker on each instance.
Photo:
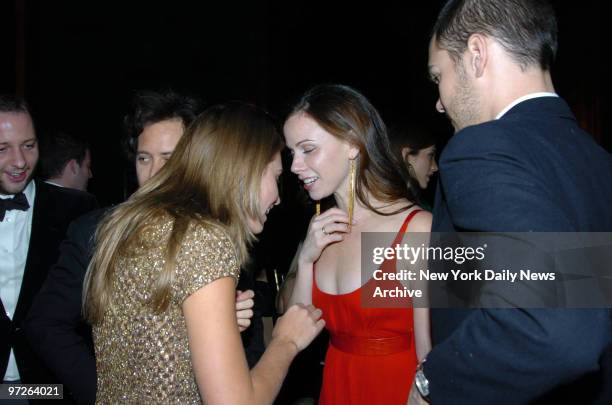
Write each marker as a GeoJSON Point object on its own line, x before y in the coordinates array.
{"type": "Point", "coordinates": [79, 62]}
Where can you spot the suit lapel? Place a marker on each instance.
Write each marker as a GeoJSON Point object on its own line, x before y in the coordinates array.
{"type": "Point", "coordinates": [33, 271]}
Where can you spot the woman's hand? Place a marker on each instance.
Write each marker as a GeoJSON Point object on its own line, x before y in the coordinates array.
{"type": "Point", "coordinates": [299, 325]}
{"type": "Point", "coordinates": [244, 308]}
{"type": "Point", "coordinates": [324, 229]}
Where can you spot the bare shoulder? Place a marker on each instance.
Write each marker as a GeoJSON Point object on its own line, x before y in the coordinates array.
{"type": "Point", "coordinates": [421, 222]}
{"type": "Point", "coordinates": [393, 222]}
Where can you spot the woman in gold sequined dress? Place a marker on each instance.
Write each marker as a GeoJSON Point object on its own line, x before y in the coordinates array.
{"type": "Point", "coordinates": [161, 286]}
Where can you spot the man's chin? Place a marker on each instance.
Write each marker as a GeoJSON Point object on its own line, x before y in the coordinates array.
{"type": "Point", "coordinates": [9, 188]}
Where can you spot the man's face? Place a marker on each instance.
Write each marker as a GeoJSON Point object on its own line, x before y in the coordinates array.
{"type": "Point", "coordinates": [155, 146]}
{"type": "Point", "coordinates": [18, 151]}
{"type": "Point", "coordinates": [456, 95]}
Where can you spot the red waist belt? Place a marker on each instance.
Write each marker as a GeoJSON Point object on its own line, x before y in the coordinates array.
{"type": "Point", "coordinates": [371, 346]}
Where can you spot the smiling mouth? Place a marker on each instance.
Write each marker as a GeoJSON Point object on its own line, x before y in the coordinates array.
{"type": "Point", "coordinates": [309, 181]}
{"type": "Point", "coordinates": [17, 176]}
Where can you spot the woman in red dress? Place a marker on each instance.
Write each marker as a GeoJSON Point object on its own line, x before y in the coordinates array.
{"type": "Point", "coordinates": [340, 150]}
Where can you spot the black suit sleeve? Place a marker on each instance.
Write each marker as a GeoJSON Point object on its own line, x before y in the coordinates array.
{"type": "Point", "coordinates": [507, 355]}
{"type": "Point", "coordinates": [55, 327]}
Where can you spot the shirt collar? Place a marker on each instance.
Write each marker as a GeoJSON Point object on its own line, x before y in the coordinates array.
{"type": "Point", "coordinates": [524, 98]}
{"type": "Point", "coordinates": [53, 183]}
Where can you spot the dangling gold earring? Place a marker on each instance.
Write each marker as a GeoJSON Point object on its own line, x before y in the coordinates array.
{"type": "Point", "coordinates": [411, 171]}
{"type": "Point", "coordinates": [318, 208]}
{"type": "Point", "coordinates": [351, 192]}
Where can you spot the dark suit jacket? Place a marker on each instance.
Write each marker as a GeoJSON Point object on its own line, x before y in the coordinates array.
{"type": "Point", "coordinates": [54, 326]}
{"type": "Point", "coordinates": [532, 170]}
{"type": "Point", "coordinates": [54, 208]}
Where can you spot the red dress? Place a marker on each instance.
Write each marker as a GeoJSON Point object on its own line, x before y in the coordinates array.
{"type": "Point", "coordinates": [371, 357]}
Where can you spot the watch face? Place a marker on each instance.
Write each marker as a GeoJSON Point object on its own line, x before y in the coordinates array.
{"type": "Point", "coordinates": [421, 383]}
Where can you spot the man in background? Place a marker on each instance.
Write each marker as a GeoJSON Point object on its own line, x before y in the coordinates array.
{"type": "Point", "coordinates": [65, 161]}
{"type": "Point", "coordinates": [34, 217]}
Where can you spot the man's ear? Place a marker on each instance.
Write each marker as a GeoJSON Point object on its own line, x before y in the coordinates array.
{"type": "Point", "coordinates": [72, 166]}
{"type": "Point", "coordinates": [477, 53]}
{"type": "Point", "coordinates": [405, 152]}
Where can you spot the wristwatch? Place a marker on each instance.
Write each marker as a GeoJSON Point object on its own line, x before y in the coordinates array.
{"type": "Point", "coordinates": [421, 381]}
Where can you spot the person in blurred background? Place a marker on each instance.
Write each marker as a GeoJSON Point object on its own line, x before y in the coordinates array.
{"type": "Point", "coordinates": [65, 160]}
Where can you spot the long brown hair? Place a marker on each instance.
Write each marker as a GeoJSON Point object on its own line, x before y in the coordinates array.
{"type": "Point", "coordinates": [213, 177]}
{"type": "Point", "coordinates": [348, 115]}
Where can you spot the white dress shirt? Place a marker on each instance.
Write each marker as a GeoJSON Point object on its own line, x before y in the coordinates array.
{"type": "Point", "coordinates": [524, 98]}
{"type": "Point", "coordinates": [53, 184]}
{"type": "Point", "coordinates": [15, 232]}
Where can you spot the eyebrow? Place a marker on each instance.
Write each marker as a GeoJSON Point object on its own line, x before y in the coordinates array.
{"type": "Point", "coordinates": [22, 142]}
{"type": "Point", "coordinates": [144, 152]}
{"type": "Point", "coordinates": [303, 140]}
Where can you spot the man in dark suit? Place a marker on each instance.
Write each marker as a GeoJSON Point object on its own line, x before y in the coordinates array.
{"type": "Point", "coordinates": [33, 221]}
{"type": "Point", "coordinates": [65, 160]}
{"type": "Point", "coordinates": [517, 163]}
{"type": "Point", "coordinates": [55, 324]}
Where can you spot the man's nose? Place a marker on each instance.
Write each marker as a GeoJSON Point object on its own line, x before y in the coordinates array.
{"type": "Point", "coordinates": [17, 158]}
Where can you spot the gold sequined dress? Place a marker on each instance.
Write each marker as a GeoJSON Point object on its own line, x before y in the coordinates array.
{"type": "Point", "coordinates": [143, 357]}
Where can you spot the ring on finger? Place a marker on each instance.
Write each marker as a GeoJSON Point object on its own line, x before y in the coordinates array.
{"type": "Point", "coordinates": [324, 231]}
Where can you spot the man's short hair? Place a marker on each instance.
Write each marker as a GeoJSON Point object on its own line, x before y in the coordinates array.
{"type": "Point", "coordinates": [526, 29]}
{"type": "Point", "coordinates": [57, 148]}
{"type": "Point", "coordinates": [13, 104]}
{"type": "Point", "coordinates": [150, 107]}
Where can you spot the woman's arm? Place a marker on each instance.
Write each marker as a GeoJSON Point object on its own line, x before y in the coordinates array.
{"type": "Point", "coordinates": [218, 359]}
{"type": "Point", "coordinates": [420, 230]}
{"type": "Point", "coordinates": [422, 332]}
{"type": "Point", "coordinates": [302, 285]}
{"type": "Point", "coordinates": [323, 230]}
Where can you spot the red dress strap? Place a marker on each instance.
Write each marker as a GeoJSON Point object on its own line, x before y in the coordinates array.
{"type": "Point", "coordinates": [402, 230]}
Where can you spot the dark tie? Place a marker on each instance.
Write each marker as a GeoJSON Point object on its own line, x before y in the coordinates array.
{"type": "Point", "coordinates": [18, 202]}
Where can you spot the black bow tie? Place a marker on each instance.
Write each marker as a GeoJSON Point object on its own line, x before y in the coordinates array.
{"type": "Point", "coordinates": [18, 202]}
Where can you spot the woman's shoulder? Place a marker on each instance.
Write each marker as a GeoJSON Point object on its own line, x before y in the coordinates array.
{"type": "Point", "coordinates": [207, 228]}
{"type": "Point", "coordinates": [419, 221]}
{"type": "Point", "coordinates": [209, 235]}
{"type": "Point", "coordinates": [202, 235]}
{"type": "Point", "coordinates": [206, 254]}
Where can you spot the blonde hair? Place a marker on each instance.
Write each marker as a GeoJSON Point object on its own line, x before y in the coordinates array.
{"type": "Point", "coordinates": [213, 177]}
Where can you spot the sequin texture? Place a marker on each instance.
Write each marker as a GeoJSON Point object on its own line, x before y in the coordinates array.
{"type": "Point", "coordinates": [143, 357]}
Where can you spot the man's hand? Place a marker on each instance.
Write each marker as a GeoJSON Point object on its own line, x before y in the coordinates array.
{"type": "Point", "coordinates": [415, 397]}
{"type": "Point", "coordinates": [244, 311]}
